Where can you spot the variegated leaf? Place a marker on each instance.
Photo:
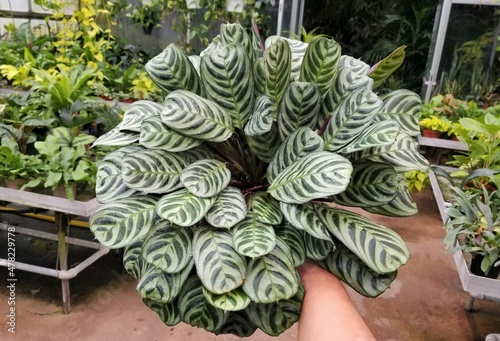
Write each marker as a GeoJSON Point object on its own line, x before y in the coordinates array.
{"type": "Point", "coordinates": [353, 115]}
{"type": "Point", "coordinates": [299, 108]}
{"type": "Point", "coordinates": [226, 75]}
{"type": "Point", "coordinates": [156, 135]}
{"type": "Point", "coordinates": [259, 76]}
{"type": "Point", "coordinates": [380, 248]}
{"type": "Point", "coordinates": [109, 183]}
{"type": "Point", "coordinates": [220, 268]}
{"type": "Point", "coordinates": [317, 249]}
{"type": "Point", "coordinates": [228, 209]}
{"type": "Point", "coordinates": [262, 118]}
{"type": "Point", "coordinates": [350, 269]}
{"type": "Point", "coordinates": [372, 184]}
{"type": "Point", "coordinates": [276, 317]}
{"type": "Point", "coordinates": [403, 155]}
{"type": "Point", "coordinates": [152, 171]}
{"type": "Point", "coordinates": [133, 262]}
{"type": "Point", "coordinates": [233, 300]}
{"type": "Point", "coordinates": [298, 144]}
{"type": "Point", "coordinates": [171, 70]}
{"type": "Point", "coordinates": [305, 218]}
{"type": "Point", "coordinates": [192, 115]}
{"type": "Point", "coordinates": [237, 323]}
{"type": "Point", "coordinates": [278, 62]}
{"type": "Point", "coordinates": [123, 221]}
{"type": "Point", "coordinates": [253, 238]}
{"type": "Point", "coordinates": [195, 60]}
{"type": "Point", "coordinates": [406, 122]}
{"type": "Point", "coordinates": [320, 63]}
{"type": "Point", "coordinates": [115, 138]}
{"type": "Point", "coordinates": [236, 34]}
{"type": "Point", "coordinates": [314, 176]}
{"type": "Point", "coordinates": [196, 154]}
{"type": "Point", "coordinates": [298, 49]}
{"type": "Point", "coordinates": [206, 178]}
{"type": "Point", "coordinates": [382, 133]}
{"type": "Point", "coordinates": [183, 208]}
{"type": "Point", "coordinates": [294, 238]}
{"type": "Point", "coordinates": [356, 65]}
{"type": "Point", "coordinates": [266, 209]}
{"type": "Point", "coordinates": [195, 309]}
{"type": "Point", "coordinates": [138, 112]}
{"type": "Point", "coordinates": [167, 246]}
{"type": "Point", "coordinates": [272, 277]}
{"type": "Point", "coordinates": [159, 286]}
{"type": "Point", "coordinates": [403, 106]}
{"type": "Point", "coordinates": [168, 312]}
{"type": "Point", "coordinates": [402, 205]}
{"type": "Point", "coordinates": [383, 69]}
{"type": "Point", "coordinates": [264, 146]}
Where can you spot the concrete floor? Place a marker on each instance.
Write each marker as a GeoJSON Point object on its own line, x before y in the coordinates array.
{"type": "Point", "coordinates": [426, 302]}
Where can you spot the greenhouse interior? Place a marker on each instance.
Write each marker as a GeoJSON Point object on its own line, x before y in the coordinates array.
{"type": "Point", "coordinates": [250, 169]}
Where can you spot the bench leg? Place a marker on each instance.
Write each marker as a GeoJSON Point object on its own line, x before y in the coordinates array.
{"type": "Point", "coordinates": [62, 225]}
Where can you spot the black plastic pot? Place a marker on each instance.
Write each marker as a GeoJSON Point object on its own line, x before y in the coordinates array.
{"type": "Point", "coordinates": [475, 268]}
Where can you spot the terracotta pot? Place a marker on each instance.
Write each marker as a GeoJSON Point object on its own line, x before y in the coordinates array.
{"type": "Point", "coordinates": [16, 183]}
{"type": "Point", "coordinates": [60, 191]}
{"type": "Point", "coordinates": [453, 137]}
{"type": "Point", "coordinates": [431, 133]}
{"type": "Point", "coordinates": [128, 100]}
{"type": "Point", "coordinates": [475, 268]}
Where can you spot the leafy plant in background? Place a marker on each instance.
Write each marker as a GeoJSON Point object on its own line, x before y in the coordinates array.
{"type": "Point", "coordinates": [147, 16]}
{"type": "Point", "coordinates": [219, 193]}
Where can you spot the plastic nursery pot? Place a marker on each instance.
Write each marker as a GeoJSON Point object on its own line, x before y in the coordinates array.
{"type": "Point", "coordinates": [431, 133]}
{"type": "Point", "coordinates": [475, 268]}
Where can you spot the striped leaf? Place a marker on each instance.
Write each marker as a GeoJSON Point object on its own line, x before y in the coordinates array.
{"type": "Point", "coordinates": [298, 49]}
{"type": "Point", "coordinates": [353, 115]}
{"type": "Point", "coordinates": [401, 206]}
{"type": "Point", "coordinates": [380, 248]}
{"type": "Point", "coordinates": [276, 317]}
{"type": "Point", "coordinates": [350, 269]}
{"type": "Point", "coordinates": [168, 247]}
{"type": "Point", "coordinates": [196, 154]}
{"type": "Point", "coordinates": [233, 300]}
{"type": "Point", "coordinates": [168, 312]}
{"type": "Point", "coordinates": [123, 221]}
{"type": "Point", "coordinates": [253, 238]}
{"type": "Point", "coordinates": [264, 146]}
{"type": "Point", "coordinates": [206, 178]}
{"type": "Point", "coordinates": [237, 323]}
{"type": "Point", "coordinates": [259, 76]}
{"type": "Point", "coordinates": [160, 286]}
{"type": "Point", "coordinates": [403, 155]}
{"type": "Point", "coordinates": [194, 116]}
{"type": "Point", "coordinates": [133, 262]}
{"type": "Point", "coordinates": [195, 60]}
{"type": "Point", "coordinates": [278, 62]}
{"type": "Point", "coordinates": [156, 135]}
{"type": "Point", "coordinates": [272, 278]}
{"type": "Point", "coordinates": [116, 138]}
{"type": "Point", "coordinates": [372, 184]}
{"type": "Point", "coordinates": [317, 249]}
{"type": "Point", "coordinates": [236, 34]}
{"type": "Point", "coordinates": [183, 208]}
{"type": "Point", "coordinates": [195, 309]}
{"type": "Point", "coordinates": [299, 108]}
{"type": "Point", "coordinates": [171, 70]}
{"type": "Point", "coordinates": [320, 63]}
{"type": "Point", "coordinates": [407, 123]}
{"type": "Point", "coordinates": [262, 118]}
{"type": "Point", "coordinates": [305, 218]}
{"type": "Point", "coordinates": [344, 83]}
{"type": "Point", "coordinates": [356, 65]}
{"type": "Point", "coordinates": [403, 106]}
{"type": "Point", "coordinates": [109, 183]}
{"type": "Point", "coordinates": [228, 209]}
{"type": "Point", "coordinates": [220, 268]}
{"type": "Point", "coordinates": [226, 75]}
{"type": "Point", "coordinates": [314, 176]}
{"type": "Point", "coordinates": [382, 133]}
{"type": "Point", "coordinates": [294, 238]}
{"type": "Point", "coordinates": [383, 69]}
{"type": "Point", "coordinates": [152, 171]}
{"type": "Point", "coordinates": [298, 144]}
{"type": "Point", "coordinates": [266, 209]}
{"type": "Point", "coordinates": [138, 112]}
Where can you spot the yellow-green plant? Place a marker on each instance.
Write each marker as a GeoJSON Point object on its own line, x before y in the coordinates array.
{"type": "Point", "coordinates": [435, 123]}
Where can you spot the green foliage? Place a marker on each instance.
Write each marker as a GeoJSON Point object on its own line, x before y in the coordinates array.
{"type": "Point", "coordinates": [243, 190]}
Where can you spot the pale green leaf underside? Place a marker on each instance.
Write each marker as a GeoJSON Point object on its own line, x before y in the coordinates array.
{"type": "Point", "coordinates": [183, 208]}
{"type": "Point", "coordinates": [253, 238]}
{"type": "Point", "coordinates": [228, 209]}
{"type": "Point", "coordinates": [230, 301]}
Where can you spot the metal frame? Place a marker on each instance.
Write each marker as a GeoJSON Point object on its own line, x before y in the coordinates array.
{"type": "Point", "coordinates": [431, 81]}
{"type": "Point", "coordinates": [297, 14]}
{"type": "Point", "coordinates": [63, 209]}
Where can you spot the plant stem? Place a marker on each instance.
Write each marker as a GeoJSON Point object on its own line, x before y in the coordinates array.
{"type": "Point", "coordinates": [323, 127]}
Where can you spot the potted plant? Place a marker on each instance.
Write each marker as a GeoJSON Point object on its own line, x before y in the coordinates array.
{"type": "Point", "coordinates": [219, 193]}
{"type": "Point", "coordinates": [433, 126]}
{"type": "Point", "coordinates": [147, 15]}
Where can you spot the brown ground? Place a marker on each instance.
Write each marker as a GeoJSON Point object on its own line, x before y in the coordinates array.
{"type": "Point", "coordinates": [426, 302]}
